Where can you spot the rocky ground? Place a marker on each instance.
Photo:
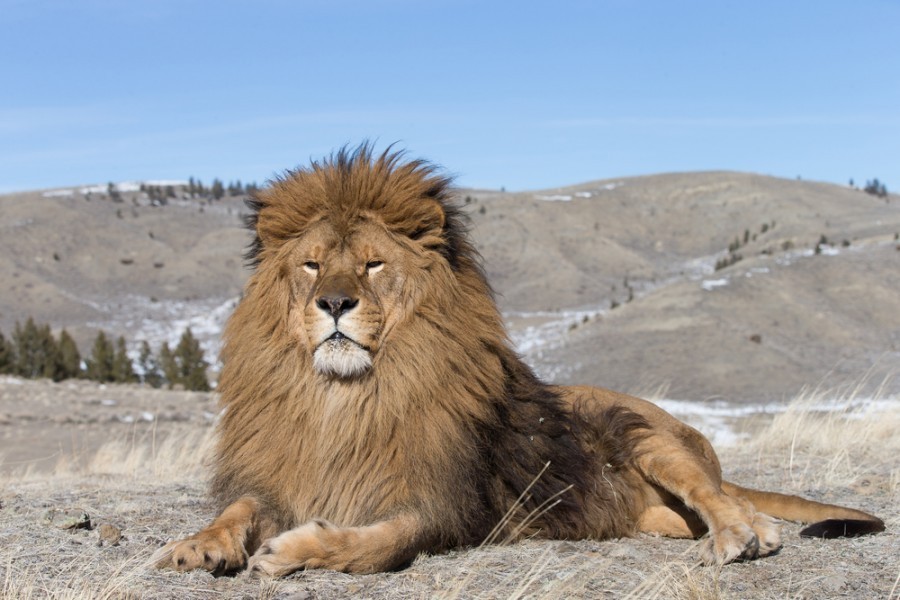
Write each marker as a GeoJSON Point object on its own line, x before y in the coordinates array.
{"type": "Point", "coordinates": [86, 527]}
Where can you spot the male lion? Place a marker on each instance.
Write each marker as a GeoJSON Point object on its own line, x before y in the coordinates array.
{"type": "Point", "coordinates": [374, 408]}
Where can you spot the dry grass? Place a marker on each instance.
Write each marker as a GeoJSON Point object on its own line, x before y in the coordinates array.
{"type": "Point", "coordinates": [828, 437]}
{"type": "Point", "coordinates": [176, 456]}
{"type": "Point", "coordinates": [153, 489]}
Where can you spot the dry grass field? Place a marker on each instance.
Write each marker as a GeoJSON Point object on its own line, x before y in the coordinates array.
{"type": "Point", "coordinates": [138, 491]}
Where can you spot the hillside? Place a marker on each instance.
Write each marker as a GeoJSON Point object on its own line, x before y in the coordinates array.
{"type": "Point", "coordinates": [560, 260]}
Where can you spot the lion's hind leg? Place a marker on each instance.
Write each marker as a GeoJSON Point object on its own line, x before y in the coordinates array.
{"type": "Point", "coordinates": [684, 466]}
{"type": "Point", "coordinates": [671, 521]}
{"type": "Point", "coordinates": [222, 547]}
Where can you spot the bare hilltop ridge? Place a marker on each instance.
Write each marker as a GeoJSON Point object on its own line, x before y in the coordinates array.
{"type": "Point", "coordinates": [713, 285]}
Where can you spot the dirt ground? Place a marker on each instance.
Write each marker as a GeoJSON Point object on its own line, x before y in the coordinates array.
{"type": "Point", "coordinates": [146, 485]}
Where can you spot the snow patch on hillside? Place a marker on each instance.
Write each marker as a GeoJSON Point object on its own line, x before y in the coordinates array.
{"type": "Point", "coordinates": [123, 186]}
{"type": "Point", "coordinates": [139, 318]}
{"type": "Point", "coordinates": [554, 197]}
{"type": "Point", "coordinates": [711, 284]}
{"type": "Point", "coordinates": [718, 419]}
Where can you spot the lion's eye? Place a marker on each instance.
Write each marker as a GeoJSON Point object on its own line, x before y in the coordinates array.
{"type": "Point", "coordinates": [373, 266]}
{"type": "Point", "coordinates": [311, 267]}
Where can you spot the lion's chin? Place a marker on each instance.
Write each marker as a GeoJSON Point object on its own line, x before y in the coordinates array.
{"type": "Point", "coordinates": [342, 358]}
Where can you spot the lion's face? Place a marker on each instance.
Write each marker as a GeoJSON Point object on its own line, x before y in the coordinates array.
{"type": "Point", "coordinates": [347, 291]}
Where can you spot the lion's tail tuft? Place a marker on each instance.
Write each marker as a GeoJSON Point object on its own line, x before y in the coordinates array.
{"type": "Point", "coordinates": [836, 528]}
{"type": "Point", "coordinates": [827, 520]}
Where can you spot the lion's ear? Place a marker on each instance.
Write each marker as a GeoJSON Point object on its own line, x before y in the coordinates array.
{"type": "Point", "coordinates": [426, 222]}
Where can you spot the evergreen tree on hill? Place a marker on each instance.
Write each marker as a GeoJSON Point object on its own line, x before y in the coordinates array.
{"type": "Point", "coordinates": [149, 366]}
{"type": "Point", "coordinates": [29, 360]}
{"type": "Point", "coordinates": [7, 356]}
{"type": "Point", "coordinates": [49, 357]}
{"type": "Point", "coordinates": [122, 367]}
{"type": "Point", "coordinates": [70, 358]}
{"type": "Point", "coordinates": [218, 190]}
{"type": "Point", "coordinates": [191, 364]}
{"type": "Point", "coordinates": [100, 365]}
{"type": "Point", "coordinates": [168, 365]}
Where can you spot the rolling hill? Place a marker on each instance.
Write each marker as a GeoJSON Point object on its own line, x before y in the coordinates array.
{"type": "Point", "coordinates": [609, 282]}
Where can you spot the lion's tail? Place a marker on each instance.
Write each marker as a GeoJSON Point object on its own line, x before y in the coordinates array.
{"type": "Point", "coordinates": [827, 520]}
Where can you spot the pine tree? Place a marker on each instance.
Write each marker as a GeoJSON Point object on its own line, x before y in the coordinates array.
{"type": "Point", "coordinates": [191, 364]}
{"type": "Point", "coordinates": [122, 369]}
{"type": "Point", "coordinates": [7, 356]}
{"type": "Point", "coordinates": [28, 363]}
{"type": "Point", "coordinates": [100, 365]}
{"type": "Point", "coordinates": [49, 358]}
{"type": "Point", "coordinates": [149, 367]}
{"type": "Point", "coordinates": [168, 365]}
{"type": "Point", "coordinates": [69, 357]}
{"type": "Point", "coordinates": [113, 192]}
{"type": "Point", "coordinates": [218, 190]}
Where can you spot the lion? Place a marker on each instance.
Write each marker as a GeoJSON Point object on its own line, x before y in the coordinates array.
{"type": "Point", "coordinates": [374, 408]}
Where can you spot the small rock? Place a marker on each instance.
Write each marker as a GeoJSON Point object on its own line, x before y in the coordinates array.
{"type": "Point", "coordinates": [70, 519]}
{"type": "Point", "coordinates": [109, 534]}
{"type": "Point", "coordinates": [833, 583]}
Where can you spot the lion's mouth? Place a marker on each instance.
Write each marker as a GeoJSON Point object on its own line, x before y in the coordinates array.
{"type": "Point", "coordinates": [339, 339]}
{"type": "Point", "coordinates": [342, 356]}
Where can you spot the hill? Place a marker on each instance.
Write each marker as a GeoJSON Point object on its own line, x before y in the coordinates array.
{"type": "Point", "coordinates": [609, 282]}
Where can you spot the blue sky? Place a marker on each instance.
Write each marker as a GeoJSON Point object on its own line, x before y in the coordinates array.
{"type": "Point", "coordinates": [524, 95]}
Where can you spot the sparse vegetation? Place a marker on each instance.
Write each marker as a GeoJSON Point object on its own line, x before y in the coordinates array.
{"type": "Point", "coordinates": [733, 255]}
{"type": "Point", "coordinates": [729, 260]}
{"type": "Point", "coordinates": [33, 353]}
{"type": "Point", "coordinates": [876, 188]}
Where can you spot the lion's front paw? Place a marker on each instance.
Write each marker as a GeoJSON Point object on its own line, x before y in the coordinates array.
{"type": "Point", "coordinates": [732, 543]}
{"type": "Point", "coordinates": [213, 550]}
{"type": "Point", "coordinates": [271, 560]}
{"type": "Point", "coordinates": [310, 546]}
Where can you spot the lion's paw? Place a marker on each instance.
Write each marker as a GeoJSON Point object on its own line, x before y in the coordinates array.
{"type": "Point", "coordinates": [213, 551]}
{"type": "Point", "coordinates": [769, 533]}
{"type": "Point", "coordinates": [273, 560]}
{"type": "Point", "coordinates": [732, 543]}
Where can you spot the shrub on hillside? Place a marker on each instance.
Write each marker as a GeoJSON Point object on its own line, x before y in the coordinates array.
{"type": "Point", "coordinates": [876, 188]}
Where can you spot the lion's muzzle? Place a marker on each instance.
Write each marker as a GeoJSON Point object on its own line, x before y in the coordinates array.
{"type": "Point", "coordinates": [339, 355]}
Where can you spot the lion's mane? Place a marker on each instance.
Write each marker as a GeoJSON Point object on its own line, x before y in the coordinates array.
{"type": "Point", "coordinates": [448, 422]}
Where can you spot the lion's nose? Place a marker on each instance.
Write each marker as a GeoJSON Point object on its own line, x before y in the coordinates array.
{"type": "Point", "coordinates": [336, 305]}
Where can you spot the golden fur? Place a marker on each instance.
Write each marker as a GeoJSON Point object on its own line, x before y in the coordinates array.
{"type": "Point", "coordinates": [374, 408]}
